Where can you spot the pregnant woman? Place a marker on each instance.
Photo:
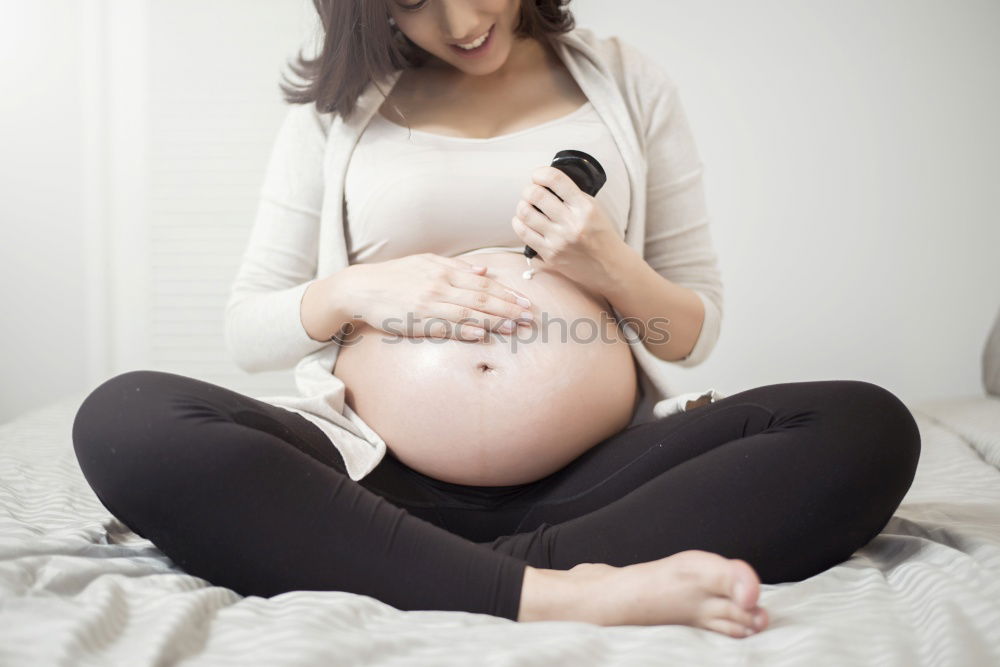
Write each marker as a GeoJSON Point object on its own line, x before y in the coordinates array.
{"type": "Point", "coordinates": [464, 438]}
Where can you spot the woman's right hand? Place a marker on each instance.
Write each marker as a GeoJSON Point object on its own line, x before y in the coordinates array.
{"type": "Point", "coordinates": [429, 295]}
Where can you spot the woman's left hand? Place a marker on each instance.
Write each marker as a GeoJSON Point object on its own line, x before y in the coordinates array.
{"type": "Point", "coordinates": [573, 236]}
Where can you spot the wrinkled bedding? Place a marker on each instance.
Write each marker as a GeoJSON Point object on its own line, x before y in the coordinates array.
{"type": "Point", "coordinates": [78, 587]}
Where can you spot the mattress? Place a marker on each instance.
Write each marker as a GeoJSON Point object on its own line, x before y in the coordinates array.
{"type": "Point", "coordinates": [78, 587]}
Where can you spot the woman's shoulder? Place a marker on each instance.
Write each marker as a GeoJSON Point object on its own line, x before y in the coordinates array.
{"type": "Point", "coordinates": [308, 119]}
{"type": "Point", "coordinates": [630, 64]}
{"type": "Point", "coordinates": [643, 82]}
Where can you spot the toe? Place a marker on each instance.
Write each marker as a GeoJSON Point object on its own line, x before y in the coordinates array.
{"type": "Point", "coordinates": [728, 627]}
{"type": "Point", "coordinates": [745, 588]}
{"type": "Point", "coordinates": [755, 618]}
{"type": "Point", "coordinates": [760, 619]}
{"type": "Point", "coordinates": [726, 609]}
{"type": "Point", "coordinates": [738, 614]}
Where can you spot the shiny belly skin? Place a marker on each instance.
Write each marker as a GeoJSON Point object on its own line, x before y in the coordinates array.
{"type": "Point", "coordinates": [507, 410]}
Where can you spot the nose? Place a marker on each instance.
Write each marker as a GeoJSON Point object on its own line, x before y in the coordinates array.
{"type": "Point", "coordinates": [460, 21]}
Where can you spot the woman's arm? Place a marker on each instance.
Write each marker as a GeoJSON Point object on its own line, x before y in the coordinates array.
{"type": "Point", "coordinates": [263, 321]}
{"type": "Point", "coordinates": [649, 300]}
{"type": "Point", "coordinates": [679, 279]}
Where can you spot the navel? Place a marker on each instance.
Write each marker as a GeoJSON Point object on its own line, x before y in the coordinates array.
{"type": "Point", "coordinates": [486, 368]}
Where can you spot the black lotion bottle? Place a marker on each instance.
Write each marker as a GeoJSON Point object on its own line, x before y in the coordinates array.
{"type": "Point", "coordinates": [584, 170]}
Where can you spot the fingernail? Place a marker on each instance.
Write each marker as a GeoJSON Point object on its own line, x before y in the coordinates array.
{"type": "Point", "coordinates": [525, 315]}
{"type": "Point", "coordinates": [738, 591]}
{"type": "Point", "coordinates": [758, 621]}
{"type": "Point", "coordinates": [524, 303]}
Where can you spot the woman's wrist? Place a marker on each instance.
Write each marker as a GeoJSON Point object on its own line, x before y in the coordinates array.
{"type": "Point", "coordinates": [328, 305]}
{"type": "Point", "coordinates": [620, 264]}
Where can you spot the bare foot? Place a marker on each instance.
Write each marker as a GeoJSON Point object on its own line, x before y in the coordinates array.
{"type": "Point", "coordinates": [695, 588]}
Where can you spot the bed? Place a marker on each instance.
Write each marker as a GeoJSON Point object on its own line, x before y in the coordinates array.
{"type": "Point", "coordinates": [78, 587]}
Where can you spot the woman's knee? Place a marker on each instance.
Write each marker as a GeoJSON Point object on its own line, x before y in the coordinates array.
{"type": "Point", "coordinates": [882, 430]}
{"type": "Point", "coordinates": [111, 407]}
{"type": "Point", "coordinates": [890, 422]}
{"type": "Point", "coordinates": [115, 429]}
{"type": "Point", "coordinates": [106, 405]}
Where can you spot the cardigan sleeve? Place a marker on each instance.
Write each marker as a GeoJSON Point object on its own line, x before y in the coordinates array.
{"type": "Point", "coordinates": [263, 326]}
{"type": "Point", "coordinates": [678, 241]}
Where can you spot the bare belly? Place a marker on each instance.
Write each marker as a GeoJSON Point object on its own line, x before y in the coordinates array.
{"type": "Point", "coordinates": [507, 410]}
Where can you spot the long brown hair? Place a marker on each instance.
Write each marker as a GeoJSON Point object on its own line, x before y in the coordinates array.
{"type": "Point", "coordinates": [360, 46]}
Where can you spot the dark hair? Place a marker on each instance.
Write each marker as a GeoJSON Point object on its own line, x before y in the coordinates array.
{"type": "Point", "coordinates": [360, 46]}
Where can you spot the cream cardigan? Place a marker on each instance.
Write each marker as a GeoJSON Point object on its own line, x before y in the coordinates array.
{"type": "Point", "coordinates": [298, 235]}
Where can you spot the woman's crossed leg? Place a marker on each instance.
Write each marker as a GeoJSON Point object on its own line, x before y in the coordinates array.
{"type": "Point", "coordinates": [792, 478]}
{"type": "Point", "coordinates": [789, 478]}
{"type": "Point", "coordinates": [254, 497]}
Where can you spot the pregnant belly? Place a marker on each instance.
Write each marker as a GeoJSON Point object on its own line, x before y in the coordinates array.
{"type": "Point", "coordinates": [507, 410]}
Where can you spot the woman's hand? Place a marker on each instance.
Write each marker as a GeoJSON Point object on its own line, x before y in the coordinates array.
{"type": "Point", "coordinates": [428, 295]}
{"type": "Point", "coordinates": [571, 232]}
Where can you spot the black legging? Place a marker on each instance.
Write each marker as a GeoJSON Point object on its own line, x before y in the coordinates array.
{"type": "Point", "coordinates": [792, 478]}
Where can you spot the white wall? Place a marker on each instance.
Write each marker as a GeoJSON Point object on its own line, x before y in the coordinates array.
{"type": "Point", "coordinates": [42, 272]}
{"type": "Point", "coordinates": [135, 134]}
{"type": "Point", "coordinates": [850, 154]}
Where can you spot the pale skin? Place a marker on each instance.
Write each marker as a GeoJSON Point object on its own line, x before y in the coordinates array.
{"type": "Point", "coordinates": [520, 83]}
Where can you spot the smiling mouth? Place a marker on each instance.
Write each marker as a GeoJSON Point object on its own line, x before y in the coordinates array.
{"type": "Point", "coordinates": [486, 38]}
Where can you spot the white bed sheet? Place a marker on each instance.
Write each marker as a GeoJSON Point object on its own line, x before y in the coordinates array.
{"type": "Point", "coordinates": [77, 587]}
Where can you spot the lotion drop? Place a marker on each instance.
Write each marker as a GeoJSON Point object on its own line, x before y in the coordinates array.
{"type": "Point", "coordinates": [530, 272]}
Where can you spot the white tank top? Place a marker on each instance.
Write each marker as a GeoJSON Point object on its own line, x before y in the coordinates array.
{"type": "Point", "coordinates": [409, 191]}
